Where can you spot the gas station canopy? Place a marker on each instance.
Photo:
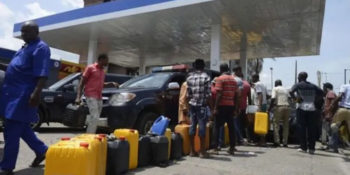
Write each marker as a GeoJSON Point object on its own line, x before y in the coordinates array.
{"type": "Point", "coordinates": [162, 32]}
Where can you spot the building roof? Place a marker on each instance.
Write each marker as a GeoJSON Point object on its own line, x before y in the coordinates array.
{"type": "Point", "coordinates": [174, 31]}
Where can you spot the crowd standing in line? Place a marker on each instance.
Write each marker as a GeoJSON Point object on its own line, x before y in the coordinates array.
{"type": "Point", "coordinates": [226, 98]}
{"type": "Point", "coordinates": [231, 97]}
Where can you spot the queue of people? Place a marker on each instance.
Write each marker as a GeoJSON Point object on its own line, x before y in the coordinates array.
{"type": "Point", "coordinates": [224, 100]}
{"type": "Point", "coordinates": [318, 115]}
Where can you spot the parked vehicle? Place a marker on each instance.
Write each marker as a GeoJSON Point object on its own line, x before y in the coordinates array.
{"type": "Point", "coordinates": [139, 101]}
{"type": "Point", "coordinates": [55, 98]}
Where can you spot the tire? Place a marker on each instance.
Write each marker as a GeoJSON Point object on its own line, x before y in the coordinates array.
{"type": "Point", "coordinates": [145, 122]}
{"type": "Point", "coordinates": [36, 125]}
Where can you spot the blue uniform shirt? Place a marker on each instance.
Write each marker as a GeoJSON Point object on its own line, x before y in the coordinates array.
{"type": "Point", "coordinates": [21, 77]}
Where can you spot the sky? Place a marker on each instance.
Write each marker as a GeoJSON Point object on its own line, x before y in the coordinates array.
{"type": "Point", "coordinates": [334, 56]}
{"type": "Point", "coordinates": [13, 11]}
{"type": "Point", "coordinates": [333, 59]}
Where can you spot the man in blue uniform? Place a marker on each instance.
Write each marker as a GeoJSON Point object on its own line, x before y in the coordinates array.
{"type": "Point", "coordinates": [24, 79]}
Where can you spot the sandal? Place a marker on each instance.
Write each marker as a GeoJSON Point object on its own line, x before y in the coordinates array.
{"type": "Point", "coordinates": [193, 154]}
{"type": "Point", "coordinates": [204, 155]}
{"type": "Point", "coordinates": [231, 151]}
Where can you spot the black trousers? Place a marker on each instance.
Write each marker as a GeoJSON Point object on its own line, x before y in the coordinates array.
{"type": "Point", "coordinates": [307, 128]}
{"type": "Point", "coordinates": [225, 115]}
{"type": "Point", "coordinates": [243, 123]}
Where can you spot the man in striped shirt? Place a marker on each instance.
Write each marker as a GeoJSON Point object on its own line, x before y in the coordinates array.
{"type": "Point", "coordinates": [198, 95]}
{"type": "Point", "coordinates": [226, 104]}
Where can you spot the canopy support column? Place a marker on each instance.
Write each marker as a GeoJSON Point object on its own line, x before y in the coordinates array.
{"type": "Point", "coordinates": [92, 52]}
{"type": "Point", "coordinates": [215, 56]}
{"type": "Point", "coordinates": [243, 55]}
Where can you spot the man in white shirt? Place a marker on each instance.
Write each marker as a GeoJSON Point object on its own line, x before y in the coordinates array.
{"type": "Point", "coordinates": [260, 90]}
{"type": "Point", "coordinates": [281, 112]}
{"type": "Point", "coordinates": [260, 101]}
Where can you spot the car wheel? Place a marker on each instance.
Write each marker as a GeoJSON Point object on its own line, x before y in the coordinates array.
{"type": "Point", "coordinates": [36, 125]}
{"type": "Point", "coordinates": [145, 122]}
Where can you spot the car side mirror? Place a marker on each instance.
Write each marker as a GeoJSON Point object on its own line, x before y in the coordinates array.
{"type": "Point", "coordinates": [173, 86]}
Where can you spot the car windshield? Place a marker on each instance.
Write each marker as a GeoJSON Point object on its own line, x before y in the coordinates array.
{"type": "Point", "coordinates": [62, 82]}
{"type": "Point", "coordinates": [154, 80]}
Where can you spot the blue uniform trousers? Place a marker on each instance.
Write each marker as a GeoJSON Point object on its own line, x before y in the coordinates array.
{"type": "Point", "coordinates": [13, 131]}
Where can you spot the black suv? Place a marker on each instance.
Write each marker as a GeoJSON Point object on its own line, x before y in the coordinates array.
{"type": "Point", "coordinates": [55, 99]}
{"type": "Point", "coordinates": [139, 101]}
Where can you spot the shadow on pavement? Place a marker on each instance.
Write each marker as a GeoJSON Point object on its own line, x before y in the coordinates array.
{"type": "Point", "coordinates": [220, 158]}
{"type": "Point", "coordinates": [328, 155]}
{"type": "Point", "coordinates": [242, 154]}
{"type": "Point", "coordinates": [169, 163]}
{"type": "Point", "coordinates": [55, 130]}
{"type": "Point", "coordinates": [255, 152]}
{"type": "Point", "coordinates": [30, 171]}
{"type": "Point", "coordinates": [138, 170]}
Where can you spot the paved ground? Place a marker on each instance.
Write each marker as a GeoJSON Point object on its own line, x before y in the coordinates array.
{"type": "Point", "coordinates": [248, 161]}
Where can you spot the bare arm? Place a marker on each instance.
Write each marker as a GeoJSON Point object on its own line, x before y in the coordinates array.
{"type": "Point", "coordinates": [271, 104]}
{"type": "Point", "coordinates": [35, 96]}
{"type": "Point", "coordinates": [292, 91]}
{"type": "Point", "coordinates": [217, 100]}
{"type": "Point", "coordinates": [260, 98]}
{"type": "Point", "coordinates": [249, 97]}
{"type": "Point", "coordinates": [337, 100]}
{"type": "Point", "coordinates": [80, 89]}
{"type": "Point", "coordinates": [110, 84]}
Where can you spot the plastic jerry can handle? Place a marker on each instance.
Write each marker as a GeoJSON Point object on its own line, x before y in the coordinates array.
{"type": "Point", "coordinates": [159, 119]}
{"type": "Point", "coordinates": [102, 135]}
{"type": "Point", "coordinates": [99, 138]}
{"type": "Point", "coordinates": [65, 138]}
{"type": "Point", "coordinates": [84, 144]}
{"type": "Point", "coordinates": [122, 138]}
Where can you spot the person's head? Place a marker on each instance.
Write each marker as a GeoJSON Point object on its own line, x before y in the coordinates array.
{"type": "Point", "coordinates": [278, 83]}
{"type": "Point", "coordinates": [255, 78]}
{"type": "Point", "coordinates": [224, 68]}
{"type": "Point", "coordinates": [238, 71]}
{"type": "Point", "coordinates": [302, 76]}
{"type": "Point", "coordinates": [199, 64]}
{"type": "Point", "coordinates": [102, 60]}
{"type": "Point", "coordinates": [327, 87]}
{"type": "Point", "coordinates": [29, 31]}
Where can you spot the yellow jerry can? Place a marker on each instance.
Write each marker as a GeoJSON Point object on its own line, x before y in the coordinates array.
{"type": "Point", "coordinates": [261, 124]}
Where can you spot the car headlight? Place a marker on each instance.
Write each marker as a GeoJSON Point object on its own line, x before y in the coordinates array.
{"type": "Point", "coordinates": [120, 99]}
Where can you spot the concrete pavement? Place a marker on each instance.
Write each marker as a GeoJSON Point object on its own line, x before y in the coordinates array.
{"type": "Point", "coordinates": [248, 160]}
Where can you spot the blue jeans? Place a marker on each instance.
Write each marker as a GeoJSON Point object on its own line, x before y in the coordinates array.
{"type": "Point", "coordinates": [198, 116]}
{"type": "Point", "coordinates": [13, 131]}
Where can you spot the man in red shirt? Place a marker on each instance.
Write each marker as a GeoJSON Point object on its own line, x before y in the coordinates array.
{"type": "Point", "coordinates": [93, 80]}
{"type": "Point", "coordinates": [330, 96]}
{"type": "Point", "coordinates": [226, 104]}
{"type": "Point", "coordinates": [244, 101]}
